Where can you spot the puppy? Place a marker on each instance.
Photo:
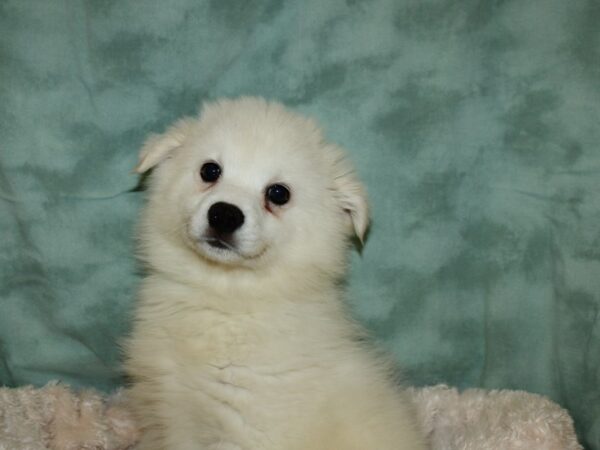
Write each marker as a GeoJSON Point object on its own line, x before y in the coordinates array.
{"type": "Point", "coordinates": [241, 340]}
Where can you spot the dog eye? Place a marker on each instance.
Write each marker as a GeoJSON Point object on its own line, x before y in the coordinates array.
{"type": "Point", "coordinates": [210, 172]}
{"type": "Point", "coordinates": [278, 194]}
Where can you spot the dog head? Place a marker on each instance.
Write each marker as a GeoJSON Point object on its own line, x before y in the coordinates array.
{"type": "Point", "coordinates": [251, 184]}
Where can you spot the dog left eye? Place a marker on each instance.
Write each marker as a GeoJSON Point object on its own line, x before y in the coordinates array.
{"type": "Point", "coordinates": [278, 194]}
{"type": "Point", "coordinates": [210, 172]}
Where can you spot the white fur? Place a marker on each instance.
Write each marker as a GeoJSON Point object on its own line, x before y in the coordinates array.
{"type": "Point", "coordinates": [251, 348]}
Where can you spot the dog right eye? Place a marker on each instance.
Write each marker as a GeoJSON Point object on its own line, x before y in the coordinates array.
{"type": "Point", "coordinates": [210, 172]}
{"type": "Point", "coordinates": [278, 194]}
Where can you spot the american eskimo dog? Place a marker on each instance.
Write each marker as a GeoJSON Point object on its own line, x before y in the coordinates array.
{"type": "Point", "coordinates": [241, 340]}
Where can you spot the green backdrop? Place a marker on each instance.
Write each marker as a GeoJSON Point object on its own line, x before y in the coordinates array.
{"type": "Point", "coordinates": [474, 123]}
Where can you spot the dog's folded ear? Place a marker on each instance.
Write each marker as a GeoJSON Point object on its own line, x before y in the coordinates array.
{"type": "Point", "coordinates": [158, 147]}
{"type": "Point", "coordinates": [351, 194]}
{"type": "Point", "coordinates": [355, 204]}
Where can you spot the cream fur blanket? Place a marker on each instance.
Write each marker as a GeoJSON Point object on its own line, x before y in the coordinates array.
{"type": "Point", "coordinates": [57, 418]}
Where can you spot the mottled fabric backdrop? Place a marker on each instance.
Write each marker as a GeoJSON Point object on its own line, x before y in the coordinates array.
{"type": "Point", "coordinates": [474, 123]}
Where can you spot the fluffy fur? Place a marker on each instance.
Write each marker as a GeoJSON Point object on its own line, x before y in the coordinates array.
{"type": "Point", "coordinates": [246, 345]}
{"type": "Point", "coordinates": [57, 418]}
{"type": "Point", "coordinates": [477, 419]}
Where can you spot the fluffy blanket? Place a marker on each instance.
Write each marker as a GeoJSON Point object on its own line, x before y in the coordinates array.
{"type": "Point", "coordinates": [57, 418]}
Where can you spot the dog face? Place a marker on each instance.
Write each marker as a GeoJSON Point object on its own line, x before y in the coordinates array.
{"type": "Point", "coordinates": [250, 184]}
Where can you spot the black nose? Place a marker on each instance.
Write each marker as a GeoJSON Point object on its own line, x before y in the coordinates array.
{"type": "Point", "coordinates": [225, 217]}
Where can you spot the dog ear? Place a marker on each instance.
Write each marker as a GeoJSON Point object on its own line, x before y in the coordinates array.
{"type": "Point", "coordinates": [354, 202]}
{"type": "Point", "coordinates": [159, 146]}
{"type": "Point", "coordinates": [352, 195]}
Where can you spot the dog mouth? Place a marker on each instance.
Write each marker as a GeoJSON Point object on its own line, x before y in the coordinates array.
{"type": "Point", "coordinates": [219, 243]}
{"type": "Point", "coordinates": [219, 248]}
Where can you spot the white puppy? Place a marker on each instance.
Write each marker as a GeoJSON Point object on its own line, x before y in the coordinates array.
{"type": "Point", "coordinates": [241, 340]}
